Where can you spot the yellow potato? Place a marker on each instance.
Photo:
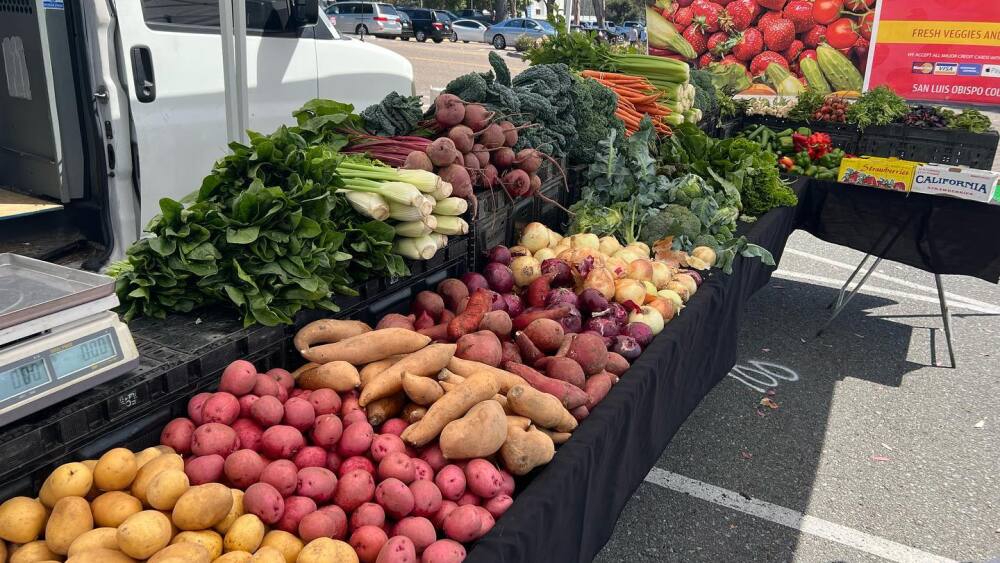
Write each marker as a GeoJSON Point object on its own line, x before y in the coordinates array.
{"type": "Point", "coordinates": [143, 534]}
{"type": "Point", "coordinates": [235, 512]}
{"type": "Point", "coordinates": [147, 472]}
{"type": "Point", "coordinates": [245, 534]}
{"type": "Point", "coordinates": [288, 544]}
{"type": "Point", "coordinates": [22, 519]}
{"type": "Point", "coordinates": [166, 487]}
{"type": "Point", "coordinates": [100, 555]}
{"type": "Point", "coordinates": [70, 518]}
{"type": "Point", "coordinates": [33, 552]}
{"type": "Point", "coordinates": [211, 541]}
{"type": "Point", "coordinates": [268, 555]}
{"type": "Point", "coordinates": [68, 480]}
{"type": "Point", "coordinates": [202, 507]}
{"type": "Point", "coordinates": [3, 551]}
{"type": "Point", "coordinates": [115, 470]}
{"type": "Point", "coordinates": [91, 464]}
{"type": "Point", "coordinates": [113, 507]}
{"type": "Point", "coordinates": [98, 538]}
{"type": "Point", "coordinates": [184, 552]}
{"type": "Point", "coordinates": [145, 456]}
{"type": "Point", "coordinates": [326, 550]}
{"type": "Point", "coordinates": [164, 449]}
{"type": "Point", "coordinates": [234, 557]}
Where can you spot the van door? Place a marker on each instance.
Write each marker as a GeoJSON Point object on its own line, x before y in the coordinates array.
{"type": "Point", "coordinates": [174, 69]}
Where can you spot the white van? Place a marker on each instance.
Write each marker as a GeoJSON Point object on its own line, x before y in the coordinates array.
{"type": "Point", "coordinates": [106, 106]}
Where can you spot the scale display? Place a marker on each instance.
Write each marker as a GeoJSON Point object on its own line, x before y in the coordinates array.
{"type": "Point", "coordinates": [82, 356]}
{"type": "Point", "coordinates": [23, 378]}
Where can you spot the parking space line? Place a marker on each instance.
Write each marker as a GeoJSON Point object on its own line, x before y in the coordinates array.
{"type": "Point", "coordinates": [825, 529]}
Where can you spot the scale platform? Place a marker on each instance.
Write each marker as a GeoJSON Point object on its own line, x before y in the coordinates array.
{"type": "Point", "coordinates": [58, 336]}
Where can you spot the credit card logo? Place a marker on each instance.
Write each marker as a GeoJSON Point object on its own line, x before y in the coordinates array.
{"type": "Point", "coordinates": [991, 70]}
{"type": "Point", "coordinates": [946, 69]}
{"type": "Point", "coordinates": [965, 69]}
{"type": "Point", "coordinates": [922, 68]}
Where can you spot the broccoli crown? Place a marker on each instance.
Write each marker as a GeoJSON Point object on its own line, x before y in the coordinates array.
{"type": "Point", "coordinates": [704, 97]}
{"type": "Point", "coordinates": [672, 221]}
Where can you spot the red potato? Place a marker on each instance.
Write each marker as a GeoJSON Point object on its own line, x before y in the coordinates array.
{"type": "Point", "coordinates": [204, 469]}
{"type": "Point", "coordinates": [451, 480]}
{"type": "Point", "coordinates": [617, 364]}
{"type": "Point", "coordinates": [497, 322]}
{"type": "Point", "coordinates": [324, 401]}
{"type": "Point", "coordinates": [299, 414]}
{"type": "Point", "coordinates": [317, 483]}
{"type": "Point", "coordinates": [356, 439]}
{"type": "Point", "coordinates": [483, 478]}
{"type": "Point", "coordinates": [248, 433]}
{"type": "Point", "coordinates": [281, 442]}
{"type": "Point", "coordinates": [444, 551]}
{"type": "Point", "coordinates": [221, 407]}
{"type": "Point", "coordinates": [339, 518]}
{"type": "Point", "coordinates": [598, 386]}
{"type": "Point", "coordinates": [394, 426]}
{"type": "Point", "coordinates": [282, 475]}
{"type": "Point", "coordinates": [546, 334]}
{"type": "Point", "coordinates": [498, 505]}
{"type": "Point", "coordinates": [268, 411]}
{"type": "Point", "coordinates": [349, 403]}
{"type": "Point", "coordinates": [433, 456]}
{"type": "Point", "coordinates": [238, 378]}
{"type": "Point", "coordinates": [385, 444]}
{"type": "Point", "coordinates": [447, 507]}
{"type": "Point", "coordinates": [354, 417]}
{"type": "Point", "coordinates": [426, 498]}
{"type": "Point", "coordinates": [265, 385]}
{"type": "Point", "coordinates": [468, 498]}
{"type": "Point", "coordinates": [509, 352]}
{"type": "Point", "coordinates": [295, 509]}
{"type": "Point", "coordinates": [246, 402]}
{"type": "Point", "coordinates": [399, 549]}
{"type": "Point", "coordinates": [420, 530]}
{"type": "Point", "coordinates": [177, 434]}
{"type": "Point", "coordinates": [333, 461]}
{"type": "Point", "coordinates": [482, 346]}
{"type": "Point", "coordinates": [395, 497]}
{"type": "Point", "coordinates": [422, 470]}
{"type": "Point", "coordinates": [367, 541]}
{"type": "Point", "coordinates": [283, 377]}
{"type": "Point", "coordinates": [396, 465]}
{"type": "Point", "coordinates": [354, 489]}
{"type": "Point", "coordinates": [356, 462]}
{"type": "Point", "coordinates": [265, 502]}
{"type": "Point", "coordinates": [566, 370]}
{"type": "Point", "coordinates": [464, 524]}
{"type": "Point", "coordinates": [508, 483]}
{"type": "Point", "coordinates": [487, 521]}
{"type": "Point", "coordinates": [298, 392]}
{"type": "Point", "coordinates": [195, 405]}
{"type": "Point", "coordinates": [310, 456]}
{"type": "Point", "coordinates": [368, 514]}
{"type": "Point", "coordinates": [243, 468]}
{"type": "Point", "coordinates": [282, 393]}
{"type": "Point", "coordinates": [589, 351]}
{"type": "Point", "coordinates": [316, 525]}
{"type": "Point", "coordinates": [327, 430]}
{"type": "Point", "coordinates": [214, 438]}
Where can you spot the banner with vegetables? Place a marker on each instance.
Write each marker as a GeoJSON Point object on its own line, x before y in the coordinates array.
{"type": "Point", "coordinates": [945, 51]}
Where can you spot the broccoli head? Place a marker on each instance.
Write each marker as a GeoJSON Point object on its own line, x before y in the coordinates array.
{"type": "Point", "coordinates": [673, 220]}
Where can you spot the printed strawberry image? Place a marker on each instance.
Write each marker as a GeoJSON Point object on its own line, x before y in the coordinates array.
{"type": "Point", "coordinates": [759, 63]}
{"type": "Point", "coordinates": [696, 37]}
{"type": "Point", "coordinates": [736, 17]}
{"type": "Point", "coordinates": [870, 181]}
{"type": "Point", "coordinates": [778, 34]}
{"type": "Point", "coordinates": [799, 12]}
{"type": "Point", "coordinates": [750, 45]}
{"type": "Point", "coordinates": [707, 14]}
{"type": "Point", "coordinates": [775, 5]}
{"type": "Point", "coordinates": [815, 36]}
{"type": "Point", "coordinates": [793, 50]}
{"type": "Point", "coordinates": [683, 17]}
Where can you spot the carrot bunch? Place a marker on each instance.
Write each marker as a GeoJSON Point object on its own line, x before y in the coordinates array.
{"type": "Point", "coordinates": [636, 98]}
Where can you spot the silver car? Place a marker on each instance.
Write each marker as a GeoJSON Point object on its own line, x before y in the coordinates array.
{"type": "Point", "coordinates": [467, 30]}
{"type": "Point", "coordinates": [510, 30]}
{"type": "Point", "coordinates": [366, 18]}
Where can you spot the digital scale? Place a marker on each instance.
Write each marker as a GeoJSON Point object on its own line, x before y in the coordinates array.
{"type": "Point", "coordinates": [58, 335]}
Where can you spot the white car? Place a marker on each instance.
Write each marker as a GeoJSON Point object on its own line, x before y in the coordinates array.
{"type": "Point", "coordinates": [467, 30]}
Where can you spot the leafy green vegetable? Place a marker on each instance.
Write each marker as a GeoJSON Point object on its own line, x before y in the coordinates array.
{"type": "Point", "coordinates": [594, 105]}
{"type": "Point", "coordinates": [394, 115]}
{"type": "Point", "coordinates": [879, 106]}
{"type": "Point", "coordinates": [808, 103]}
{"type": "Point", "coordinates": [753, 170]}
{"type": "Point", "coordinates": [576, 50]}
{"type": "Point", "coordinates": [705, 97]}
{"type": "Point", "coordinates": [672, 221]}
{"type": "Point", "coordinates": [973, 120]}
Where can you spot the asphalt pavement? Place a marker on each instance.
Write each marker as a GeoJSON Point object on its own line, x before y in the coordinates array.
{"type": "Point", "coordinates": [859, 445]}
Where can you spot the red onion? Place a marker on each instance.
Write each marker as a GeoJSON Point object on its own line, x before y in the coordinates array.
{"type": "Point", "coordinates": [514, 304]}
{"type": "Point", "coordinates": [501, 254]}
{"type": "Point", "coordinates": [572, 322]}
{"type": "Point", "coordinates": [559, 296]}
{"type": "Point", "coordinates": [627, 347]}
{"type": "Point", "coordinates": [641, 332]}
{"type": "Point", "coordinates": [474, 281]}
{"type": "Point", "coordinates": [591, 301]}
{"type": "Point", "coordinates": [499, 276]}
{"type": "Point", "coordinates": [497, 302]}
{"type": "Point", "coordinates": [605, 326]}
{"type": "Point", "coordinates": [559, 272]}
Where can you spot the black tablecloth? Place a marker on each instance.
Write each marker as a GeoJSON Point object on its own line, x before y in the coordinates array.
{"type": "Point", "coordinates": [569, 510]}
{"type": "Point", "coordinates": [938, 234]}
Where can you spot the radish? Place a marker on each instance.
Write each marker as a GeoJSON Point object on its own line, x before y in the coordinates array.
{"type": "Point", "coordinates": [482, 154]}
{"type": "Point", "coordinates": [503, 158]}
{"type": "Point", "coordinates": [509, 133]}
{"type": "Point", "coordinates": [442, 151]}
{"type": "Point", "coordinates": [517, 183]}
{"type": "Point", "coordinates": [449, 110]}
{"type": "Point", "coordinates": [418, 160]}
{"type": "Point", "coordinates": [528, 160]}
{"type": "Point", "coordinates": [476, 117]}
{"type": "Point", "coordinates": [459, 179]}
{"type": "Point", "coordinates": [463, 137]}
{"type": "Point", "coordinates": [492, 136]}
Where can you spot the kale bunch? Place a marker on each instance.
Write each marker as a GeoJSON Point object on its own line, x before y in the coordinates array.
{"type": "Point", "coordinates": [595, 106]}
{"type": "Point", "coordinates": [394, 115]}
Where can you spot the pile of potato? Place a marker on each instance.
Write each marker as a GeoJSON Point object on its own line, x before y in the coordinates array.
{"type": "Point", "coordinates": [127, 507]}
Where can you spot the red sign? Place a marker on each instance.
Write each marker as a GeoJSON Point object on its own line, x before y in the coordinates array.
{"type": "Point", "coordinates": [941, 51]}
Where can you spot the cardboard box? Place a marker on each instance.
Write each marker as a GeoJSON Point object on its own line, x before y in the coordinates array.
{"type": "Point", "coordinates": [878, 172]}
{"type": "Point", "coordinates": [956, 181]}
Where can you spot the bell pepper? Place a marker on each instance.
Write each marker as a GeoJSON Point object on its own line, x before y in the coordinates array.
{"type": "Point", "coordinates": [786, 162]}
{"type": "Point", "coordinates": [786, 144]}
{"type": "Point", "coordinates": [804, 131]}
{"type": "Point", "coordinates": [796, 170]}
{"type": "Point", "coordinates": [802, 159]}
{"type": "Point", "coordinates": [800, 142]}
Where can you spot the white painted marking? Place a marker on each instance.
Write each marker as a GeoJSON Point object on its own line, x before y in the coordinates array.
{"type": "Point", "coordinates": [825, 529]}
{"type": "Point", "coordinates": [772, 372]}
{"type": "Point", "coordinates": [830, 282]}
{"type": "Point", "coordinates": [899, 281]}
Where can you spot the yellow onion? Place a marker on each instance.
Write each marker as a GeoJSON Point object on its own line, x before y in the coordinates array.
{"type": "Point", "coordinates": [705, 253]}
{"type": "Point", "coordinates": [601, 280]}
{"type": "Point", "coordinates": [640, 269]}
{"type": "Point", "coordinates": [609, 245]}
{"type": "Point", "coordinates": [534, 237]}
{"type": "Point", "coordinates": [617, 266]}
{"type": "Point", "coordinates": [661, 274]}
{"type": "Point", "coordinates": [673, 297]}
{"type": "Point", "coordinates": [664, 306]}
{"type": "Point", "coordinates": [526, 269]}
{"type": "Point", "coordinates": [687, 281]}
{"type": "Point", "coordinates": [544, 254]}
{"type": "Point", "coordinates": [630, 290]}
{"type": "Point", "coordinates": [648, 316]}
{"type": "Point", "coordinates": [585, 240]}
{"type": "Point", "coordinates": [680, 289]}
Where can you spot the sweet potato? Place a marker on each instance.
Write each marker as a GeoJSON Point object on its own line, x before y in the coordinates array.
{"type": "Point", "coordinates": [371, 370]}
{"type": "Point", "coordinates": [557, 437]}
{"type": "Point", "coordinates": [426, 498]}
{"type": "Point", "coordinates": [579, 413]}
{"type": "Point", "coordinates": [368, 514]}
{"type": "Point", "coordinates": [437, 333]}
{"type": "Point", "coordinates": [412, 413]}
{"type": "Point", "coordinates": [537, 291]}
{"type": "Point", "coordinates": [502, 400]}
{"type": "Point", "coordinates": [381, 410]}
{"type": "Point", "coordinates": [519, 421]}
{"type": "Point", "coordinates": [265, 501]}
{"type": "Point", "coordinates": [304, 368]}
{"type": "Point", "coordinates": [425, 362]}
{"type": "Point", "coordinates": [397, 465]}
{"type": "Point", "coordinates": [354, 489]}
{"type": "Point", "coordinates": [444, 551]}
{"type": "Point", "coordinates": [616, 363]}
{"type": "Point", "coordinates": [395, 320]}
{"type": "Point", "coordinates": [479, 433]}
{"type": "Point", "coordinates": [546, 334]}
{"type": "Point", "coordinates": [482, 346]}
{"type": "Point", "coordinates": [565, 346]}
{"type": "Point", "coordinates": [448, 376]}
{"type": "Point", "coordinates": [281, 442]}
{"type": "Point", "coordinates": [466, 368]}
{"type": "Point", "coordinates": [463, 524]}
{"type": "Point", "coordinates": [452, 291]}
{"type": "Point", "coordinates": [526, 318]}
{"type": "Point", "coordinates": [598, 387]}
{"type": "Point", "coordinates": [497, 322]}
{"type": "Point", "coordinates": [543, 409]}
{"type": "Point", "coordinates": [356, 439]}
{"type": "Point", "coordinates": [589, 351]}
{"type": "Point", "coordinates": [317, 483]}
{"type": "Point", "coordinates": [480, 303]}
{"type": "Point", "coordinates": [327, 331]}
{"type": "Point", "coordinates": [367, 541]}
{"type": "Point", "coordinates": [368, 347]}
{"type": "Point", "coordinates": [421, 390]}
{"type": "Point", "coordinates": [451, 406]}
{"type": "Point", "coordinates": [568, 394]}
{"type": "Point", "coordinates": [509, 352]}
{"type": "Point", "coordinates": [483, 478]}
{"type": "Point", "coordinates": [395, 497]}
{"type": "Point", "coordinates": [337, 375]}
{"type": "Point", "coordinates": [526, 450]}
{"type": "Point", "coordinates": [565, 369]}
{"type": "Point", "coordinates": [529, 353]}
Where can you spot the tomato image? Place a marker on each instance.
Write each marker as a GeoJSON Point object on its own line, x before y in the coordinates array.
{"type": "Point", "coordinates": [825, 11]}
{"type": "Point", "coordinates": [842, 34]}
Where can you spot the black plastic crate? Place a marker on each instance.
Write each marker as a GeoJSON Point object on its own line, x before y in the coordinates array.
{"type": "Point", "coordinates": [524, 212]}
{"type": "Point", "coordinates": [940, 146]}
{"type": "Point", "coordinates": [842, 135]}
{"type": "Point", "coordinates": [492, 224]}
{"type": "Point", "coordinates": [550, 206]}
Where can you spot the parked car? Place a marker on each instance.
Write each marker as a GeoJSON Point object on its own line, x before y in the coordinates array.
{"type": "Point", "coordinates": [427, 24]}
{"type": "Point", "coordinates": [407, 25]}
{"type": "Point", "coordinates": [510, 30]}
{"type": "Point", "coordinates": [482, 16]}
{"type": "Point", "coordinates": [364, 18]}
{"type": "Point", "coordinates": [467, 30]}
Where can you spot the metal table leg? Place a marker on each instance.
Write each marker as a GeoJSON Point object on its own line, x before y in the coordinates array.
{"type": "Point", "coordinates": [843, 301]}
{"type": "Point", "coordinates": [945, 317]}
{"type": "Point", "coordinates": [843, 289]}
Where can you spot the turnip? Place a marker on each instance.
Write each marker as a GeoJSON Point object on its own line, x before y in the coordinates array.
{"type": "Point", "coordinates": [476, 117]}
{"type": "Point", "coordinates": [463, 137]}
{"type": "Point", "coordinates": [449, 110]}
{"type": "Point", "coordinates": [492, 136]}
{"type": "Point", "coordinates": [503, 158]}
{"type": "Point", "coordinates": [459, 179]}
{"type": "Point", "coordinates": [418, 160]}
{"type": "Point", "coordinates": [482, 154]}
{"type": "Point", "coordinates": [517, 183]}
{"type": "Point", "coordinates": [509, 133]}
{"type": "Point", "coordinates": [442, 151]}
{"type": "Point", "coordinates": [528, 160]}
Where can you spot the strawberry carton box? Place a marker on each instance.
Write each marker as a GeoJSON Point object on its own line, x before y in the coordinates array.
{"type": "Point", "coordinates": [877, 172]}
{"type": "Point", "coordinates": [956, 181]}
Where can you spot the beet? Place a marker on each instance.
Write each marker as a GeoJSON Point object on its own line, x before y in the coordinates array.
{"type": "Point", "coordinates": [503, 158]}
{"type": "Point", "coordinates": [482, 154]}
{"type": "Point", "coordinates": [472, 164]}
{"type": "Point", "coordinates": [458, 177]}
{"type": "Point", "coordinates": [534, 184]}
{"type": "Point", "coordinates": [476, 117]}
{"type": "Point", "coordinates": [491, 136]}
{"type": "Point", "coordinates": [463, 137]}
{"type": "Point", "coordinates": [517, 183]}
{"type": "Point", "coordinates": [442, 151]}
{"type": "Point", "coordinates": [509, 133]}
{"type": "Point", "coordinates": [418, 160]}
{"type": "Point", "coordinates": [528, 160]}
{"type": "Point", "coordinates": [490, 176]}
{"type": "Point", "coordinates": [449, 110]}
